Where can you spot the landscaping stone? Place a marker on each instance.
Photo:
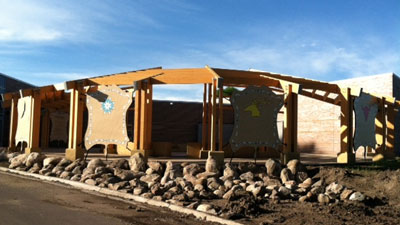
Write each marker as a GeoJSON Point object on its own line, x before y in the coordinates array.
{"type": "Point", "coordinates": [64, 162]}
{"type": "Point", "coordinates": [345, 195]}
{"type": "Point", "coordinates": [286, 175]}
{"type": "Point", "coordinates": [191, 169]}
{"type": "Point", "coordinates": [211, 165]}
{"type": "Point", "coordinates": [17, 161]}
{"type": "Point", "coordinates": [51, 160]}
{"type": "Point", "coordinates": [273, 167]}
{"type": "Point", "coordinates": [137, 163]}
{"type": "Point", "coordinates": [323, 199]}
{"type": "Point", "coordinates": [34, 157]}
{"type": "Point", "coordinates": [357, 196]}
{"type": "Point", "coordinates": [249, 176]}
{"type": "Point", "coordinates": [122, 164]}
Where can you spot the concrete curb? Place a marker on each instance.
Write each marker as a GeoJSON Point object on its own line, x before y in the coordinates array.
{"type": "Point", "coordinates": [124, 196]}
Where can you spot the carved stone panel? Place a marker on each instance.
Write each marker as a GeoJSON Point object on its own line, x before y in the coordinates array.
{"type": "Point", "coordinates": [365, 113]}
{"type": "Point", "coordinates": [59, 126]}
{"type": "Point", "coordinates": [256, 110]}
{"type": "Point", "coordinates": [24, 108]}
{"type": "Point", "coordinates": [107, 109]}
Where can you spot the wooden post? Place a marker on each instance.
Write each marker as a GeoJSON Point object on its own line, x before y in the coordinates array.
{"type": "Point", "coordinates": [13, 124]}
{"type": "Point", "coordinates": [136, 131]}
{"type": "Point", "coordinates": [75, 150]}
{"type": "Point", "coordinates": [34, 132]}
{"type": "Point", "coordinates": [380, 126]}
{"type": "Point", "coordinates": [214, 116]}
{"type": "Point", "coordinates": [209, 110]}
{"type": "Point", "coordinates": [346, 154]}
{"type": "Point", "coordinates": [221, 119]}
{"type": "Point", "coordinates": [45, 130]}
{"type": "Point", "coordinates": [390, 137]}
{"type": "Point", "coordinates": [143, 116]}
{"type": "Point", "coordinates": [149, 119]}
{"type": "Point", "coordinates": [290, 125]}
{"type": "Point", "coordinates": [204, 122]}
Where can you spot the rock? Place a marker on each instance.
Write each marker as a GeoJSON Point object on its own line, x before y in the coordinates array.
{"type": "Point", "coordinates": [346, 194]}
{"type": "Point", "coordinates": [138, 190]}
{"type": "Point", "coordinates": [284, 191]}
{"type": "Point", "coordinates": [273, 167]}
{"type": "Point", "coordinates": [3, 157]}
{"type": "Point", "coordinates": [94, 163]}
{"type": "Point", "coordinates": [206, 208]}
{"type": "Point", "coordinates": [323, 199]}
{"type": "Point", "coordinates": [181, 197]}
{"type": "Point", "coordinates": [318, 183]}
{"type": "Point", "coordinates": [112, 180]}
{"type": "Point", "coordinates": [295, 166]}
{"type": "Point", "coordinates": [102, 170]}
{"type": "Point", "coordinates": [76, 177]}
{"type": "Point", "coordinates": [34, 157]}
{"type": "Point", "coordinates": [219, 193]}
{"type": "Point", "coordinates": [90, 182]}
{"type": "Point", "coordinates": [148, 195]}
{"type": "Point", "coordinates": [58, 169]}
{"type": "Point", "coordinates": [198, 187]}
{"type": "Point", "coordinates": [228, 184]}
{"type": "Point", "coordinates": [286, 175]}
{"type": "Point", "coordinates": [35, 168]}
{"type": "Point", "coordinates": [155, 167]}
{"type": "Point", "coordinates": [191, 169]}
{"type": "Point", "coordinates": [229, 172]}
{"type": "Point", "coordinates": [334, 188]}
{"type": "Point", "coordinates": [255, 190]}
{"type": "Point", "coordinates": [73, 165]}
{"type": "Point", "coordinates": [249, 176]}
{"type": "Point", "coordinates": [172, 171]}
{"type": "Point", "coordinates": [150, 178]}
{"type": "Point", "coordinates": [51, 160]}
{"type": "Point", "coordinates": [303, 198]}
{"type": "Point", "coordinates": [357, 196]}
{"type": "Point", "coordinates": [206, 175]}
{"type": "Point", "coordinates": [118, 186]}
{"type": "Point", "coordinates": [269, 181]}
{"type": "Point", "coordinates": [137, 163]}
{"type": "Point", "coordinates": [12, 155]}
{"type": "Point", "coordinates": [301, 191]}
{"type": "Point", "coordinates": [301, 176]}
{"type": "Point", "coordinates": [17, 161]}
{"type": "Point", "coordinates": [66, 175]}
{"type": "Point", "coordinates": [158, 198]}
{"type": "Point", "coordinates": [76, 170]}
{"type": "Point", "coordinates": [122, 164]}
{"type": "Point", "coordinates": [317, 190]}
{"type": "Point", "coordinates": [125, 175]}
{"type": "Point", "coordinates": [306, 184]}
{"type": "Point", "coordinates": [156, 189]}
{"type": "Point", "coordinates": [64, 162]}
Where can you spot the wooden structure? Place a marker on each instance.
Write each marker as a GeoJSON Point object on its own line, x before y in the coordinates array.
{"type": "Point", "coordinates": [70, 96]}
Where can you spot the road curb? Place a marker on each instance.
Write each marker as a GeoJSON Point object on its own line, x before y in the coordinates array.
{"type": "Point", "coordinates": [124, 196]}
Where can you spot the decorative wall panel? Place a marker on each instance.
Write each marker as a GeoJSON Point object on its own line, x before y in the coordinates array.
{"type": "Point", "coordinates": [59, 126]}
{"type": "Point", "coordinates": [107, 109]}
{"type": "Point", "coordinates": [24, 108]}
{"type": "Point", "coordinates": [256, 110]}
{"type": "Point", "coordinates": [365, 112]}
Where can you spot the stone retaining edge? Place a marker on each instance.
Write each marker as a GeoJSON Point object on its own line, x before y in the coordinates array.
{"type": "Point", "coordinates": [126, 196]}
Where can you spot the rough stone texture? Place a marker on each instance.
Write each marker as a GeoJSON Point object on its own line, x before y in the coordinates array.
{"type": "Point", "coordinates": [323, 199]}
{"type": "Point", "coordinates": [249, 176]}
{"type": "Point", "coordinates": [125, 175]}
{"type": "Point", "coordinates": [172, 171]}
{"type": "Point", "coordinates": [120, 164]}
{"type": "Point", "coordinates": [90, 182]}
{"type": "Point", "coordinates": [51, 160]}
{"type": "Point", "coordinates": [273, 167]}
{"type": "Point", "coordinates": [64, 162]}
{"type": "Point", "coordinates": [357, 196]}
{"type": "Point", "coordinates": [334, 188]}
{"type": "Point", "coordinates": [191, 169]}
{"type": "Point", "coordinates": [346, 194]}
{"type": "Point", "coordinates": [34, 157]}
{"type": "Point", "coordinates": [211, 165]}
{"type": "Point", "coordinates": [137, 163]}
{"type": "Point", "coordinates": [286, 175]}
{"type": "Point", "coordinates": [94, 163]}
{"type": "Point", "coordinates": [17, 161]}
{"type": "Point", "coordinates": [206, 208]}
{"type": "Point", "coordinates": [295, 166]}
{"type": "Point", "coordinates": [229, 172]}
{"type": "Point", "coordinates": [155, 167]}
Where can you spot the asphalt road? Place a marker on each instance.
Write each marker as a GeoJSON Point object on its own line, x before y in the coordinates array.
{"type": "Point", "coordinates": [27, 201]}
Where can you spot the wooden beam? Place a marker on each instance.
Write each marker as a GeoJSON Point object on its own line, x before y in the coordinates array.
{"type": "Point", "coordinates": [149, 120]}
{"type": "Point", "coordinates": [380, 126]}
{"type": "Point", "coordinates": [346, 154]}
{"type": "Point", "coordinates": [220, 119]}
{"type": "Point", "coordinates": [33, 144]}
{"type": "Point", "coordinates": [290, 121]}
{"type": "Point", "coordinates": [136, 128]}
{"type": "Point", "coordinates": [214, 116]}
{"type": "Point", "coordinates": [143, 116]}
{"type": "Point", "coordinates": [45, 130]}
{"type": "Point", "coordinates": [13, 124]}
{"type": "Point", "coordinates": [209, 112]}
{"type": "Point", "coordinates": [390, 138]}
{"type": "Point", "coordinates": [204, 122]}
{"type": "Point", "coordinates": [319, 97]}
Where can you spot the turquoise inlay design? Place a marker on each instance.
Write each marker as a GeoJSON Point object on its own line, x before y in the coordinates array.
{"type": "Point", "coordinates": [107, 106]}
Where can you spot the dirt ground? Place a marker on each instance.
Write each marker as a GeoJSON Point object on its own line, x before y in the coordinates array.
{"type": "Point", "coordinates": [382, 206]}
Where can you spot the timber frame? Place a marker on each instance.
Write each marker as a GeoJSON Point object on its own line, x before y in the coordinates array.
{"type": "Point", "coordinates": [70, 97]}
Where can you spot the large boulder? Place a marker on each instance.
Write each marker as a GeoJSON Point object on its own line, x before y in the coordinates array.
{"type": "Point", "coordinates": [94, 163]}
{"type": "Point", "coordinates": [18, 161]}
{"type": "Point", "coordinates": [172, 171]}
{"type": "Point", "coordinates": [34, 157]}
{"type": "Point", "coordinates": [211, 165]}
{"type": "Point", "coordinates": [137, 163]}
{"type": "Point", "coordinates": [295, 166]}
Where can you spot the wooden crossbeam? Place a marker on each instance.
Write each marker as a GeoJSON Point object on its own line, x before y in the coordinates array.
{"type": "Point", "coordinates": [319, 97]}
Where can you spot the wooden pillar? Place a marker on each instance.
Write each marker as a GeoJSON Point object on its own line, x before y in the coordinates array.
{"type": "Point", "coordinates": [290, 125]}
{"type": "Point", "coordinates": [136, 131]}
{"type": "Point", "coordinates": [149, 114]}
{"type": "Point", "coordinates": [204, 122]}
{"type": "Point", "coordinates": [214, 116]}
{"type": "Point", "coordinates": [209, 112]}
{"type": "Point", "coordinates": [34, 131]}
{"type": "Point", "coordinates": [346, 154]}
{"type": "Point", "coordinates": [13, 124]}
{"type": "Point", "coordinates": [45, 130]}
{"type": "Point", "coordinates": [380, 127]}
{"type": "Point", "coordinates": [75, 150]}
{"type": "Point", "coordinates": [220, 119]}
{"type": "Point", "coordinates": [390, 137]}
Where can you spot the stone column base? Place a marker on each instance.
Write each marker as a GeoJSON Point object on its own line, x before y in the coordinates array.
{"type": "Point", "coordinates": [346, 157]}
{"type": "Point", "coordinates": [218, 156]}
{"type": "Point", "coordinates": [287, 156]}
{"type": "Point", "coordinates": [73, 154]}
{"type": "Point", "coordinates": [30, 150]}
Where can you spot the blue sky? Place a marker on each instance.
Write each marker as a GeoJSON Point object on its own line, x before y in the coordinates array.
{"type": "Point", "coordinates": [45, 42]}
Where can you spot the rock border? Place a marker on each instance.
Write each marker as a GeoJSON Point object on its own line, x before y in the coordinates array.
{"type": "Point", "coordinates": [123, 196]}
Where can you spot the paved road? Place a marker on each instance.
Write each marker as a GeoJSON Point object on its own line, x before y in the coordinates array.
{"type": "Point", "coordinates": [26, 201]}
